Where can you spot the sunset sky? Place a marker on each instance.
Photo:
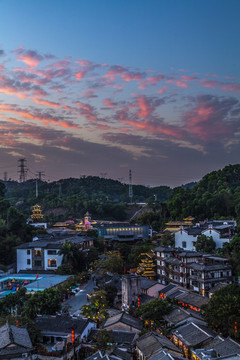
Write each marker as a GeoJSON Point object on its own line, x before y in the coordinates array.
{"type": "Point", "coordinates": [103, 86]}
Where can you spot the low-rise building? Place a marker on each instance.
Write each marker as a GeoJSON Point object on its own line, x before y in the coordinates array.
{"type": "Point", "coordinates": [124, 232]}
{"type": "Point", "coordinates": [220, 231]}
{"type": "Point", "coordinates": [15, 342]}
{"type": "Point", "coordinates": [151, 343]}
{"type": "Point", "coordinates": [57, 328]}
{"type": "Point", "coordinates": [123, 322]}
{"type": "Point", "coordinates": [38, 255]}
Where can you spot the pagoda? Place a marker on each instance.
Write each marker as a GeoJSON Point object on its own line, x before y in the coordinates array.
{"type": "Point", "coordinates": [147, 266]}
{"type": "Point", "coordinates": [37, 215]}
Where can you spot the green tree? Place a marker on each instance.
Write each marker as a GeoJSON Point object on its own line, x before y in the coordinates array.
{"type": "Point", "coordinates": [113, 263]}
{"type": "Point", "coordinates": [96, 309]}
{"type": "Point", "coordinates": [154, 311]}
{"type": "Point", "coordinates": [205, 244]}
{"type": "Point", "coordinates": [223, 310]}
{"type": "Point", "coordinates": [103, 340]}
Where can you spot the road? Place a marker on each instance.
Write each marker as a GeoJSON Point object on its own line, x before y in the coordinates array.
{"type": "Point", "coordinates": [76, 302]}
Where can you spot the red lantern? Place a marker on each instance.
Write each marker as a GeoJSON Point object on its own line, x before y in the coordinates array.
{"type": "Point", "coordinates": [73, 336]}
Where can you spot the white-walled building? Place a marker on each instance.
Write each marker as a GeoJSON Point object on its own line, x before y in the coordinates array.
{"type": "Point", "coordinates": [221, 232]}
{"type": "Point", "coordinates": [39, 255]}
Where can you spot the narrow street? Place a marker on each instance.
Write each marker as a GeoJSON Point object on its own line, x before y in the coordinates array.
{"type": "Point", "coordinates": [76, 302]}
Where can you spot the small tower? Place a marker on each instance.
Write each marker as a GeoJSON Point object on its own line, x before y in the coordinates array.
{"type": "Point", "coordinates": [37, 215]}
{"type": "Point", "coordinates": [147, 266]}
{"type": "Point", "coordinates": [131, 290]}
{"type": "Point", "coordinates": [87, 221]}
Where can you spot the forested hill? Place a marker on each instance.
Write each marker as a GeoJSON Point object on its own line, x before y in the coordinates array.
{"type": "Point", "coordinates": [216, 195]}
{"type": "Point", "coordinates": [103, 198]}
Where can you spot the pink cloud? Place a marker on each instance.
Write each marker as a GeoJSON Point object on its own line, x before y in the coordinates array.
{"type": "Point", "coordinates": [109, 103]}
{"type": "Point", "coordinates": [46, 103]}
{"type": "Point", "coordinates": [29, 57]}
{"type": "Point", "coordinates": [179, 83]}
{"type": "Point", "coordinates": [152, 80]}
{"type": "Point", "coordinates": [162, 90]}
{"type": "Point", "coordinates": [208, 119]}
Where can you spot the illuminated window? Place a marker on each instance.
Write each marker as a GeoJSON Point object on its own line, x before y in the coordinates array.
{"type": "Point", "coordinates": [37, 253]}
{"type": "Point", "coordinates": [52, 263]}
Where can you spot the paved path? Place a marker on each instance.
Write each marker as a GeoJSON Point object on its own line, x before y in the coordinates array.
{"type": "Point", "coordinates": [80, 299]}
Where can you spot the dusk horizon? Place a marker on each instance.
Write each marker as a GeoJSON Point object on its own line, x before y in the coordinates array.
{"type": "Point", "coordinates": [97, 88]}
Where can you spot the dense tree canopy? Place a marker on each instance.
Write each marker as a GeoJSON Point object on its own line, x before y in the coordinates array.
{"type": "Point", "coordinates": [205, 244]}
{"type": "Point", "coordinates": [223, 310]}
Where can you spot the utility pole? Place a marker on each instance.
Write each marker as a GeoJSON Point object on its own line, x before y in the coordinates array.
{"type": "Point", "coordinates": [130, 187]}
{"type": "Point", "coordinates": [23, 170]}
{"type": "Point", "coordinates": [40, 175]}
{"type": "Point", "coordinates": [36, 188]}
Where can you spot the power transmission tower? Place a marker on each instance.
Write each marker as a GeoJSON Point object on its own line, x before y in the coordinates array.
{"type": "Point", "coordinates": [40, 175]}
{"type": "Point", "coordinates": [23, 170]}
{"type": "Point", "coordinates": [130, 187]}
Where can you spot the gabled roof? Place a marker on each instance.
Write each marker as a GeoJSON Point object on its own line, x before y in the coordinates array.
{"type": "Point", "coordinates": [119, 336]}
{"type": "Point", "coordinates": [194, 299]}
{"type": "Point", "coordinates": [120, 354]}
{"type": "Point", "coordinates": [60, 324]}
{"type": "Point", "coordinates": [164, 249]}
{"type": "Point", "coordinates": [193, 334]}
{"type": "Point", "coordinates": [165, 355]}
{"type": "Point", "coordinates": [125, 319]}
{"type": "Point", "coordinates": [227, 347]}
{"type": "Point", "coordinates": [152, 342]}
{"type": "Point", "coordinates": [10, 334]}
{"type": "Point", "coordinates": [147, 283]}
{"type": "Point", "coordinates": [97, 356]}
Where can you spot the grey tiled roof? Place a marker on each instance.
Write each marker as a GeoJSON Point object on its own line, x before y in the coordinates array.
{"type": "Point", "coordinates": [147, 283]}
{"type": "Point", "coordinates": [194, 299]}
{"type": "Point", "coordinates": [152, 342]}
{"type": "Point", "coordinates": [119, 336]}
{"type": "Point", "coordinates": [176, 316]}
{"type": "Point", "coordinates": [11, 335]}
{"type": "Point", "coordinates": [227, 347]}
{"type": "Point", "coordinates": [168, 288]}
{"type": "Point", "coordinates": [164, 355]}
{"type": "Point", "coordinates": [97, 356]}
{"type": "Point", "coordinates": [192, 334]}
{"type": "Point", "coordinates": [125, 319]}
{"type": "Point", "coordinates": [60, 324]}
{"type": "Point", "coordinates": [124, 355]}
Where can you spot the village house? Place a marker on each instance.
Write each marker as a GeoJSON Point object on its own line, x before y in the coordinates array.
{"type": "Point", "coordinates": [151, 343]}
{"type": "Point", "coordinates": [15, 342]}
{"type": "Point", "coordinates": [221, 232]}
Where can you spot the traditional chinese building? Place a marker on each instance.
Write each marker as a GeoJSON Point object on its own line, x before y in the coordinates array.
{"type": "Point", "coordinates": [37, 215]}
{"type": "Point", "coordinates": [147, 265]}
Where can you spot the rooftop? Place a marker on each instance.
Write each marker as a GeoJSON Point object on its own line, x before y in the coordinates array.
{"type": "Point", "coordinates": [125, 319]}
{"type": "Point", "coordinates": [60, 324]}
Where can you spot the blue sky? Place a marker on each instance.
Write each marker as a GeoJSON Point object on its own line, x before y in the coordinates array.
{"type": "Point", "coordinates": [90, 87]}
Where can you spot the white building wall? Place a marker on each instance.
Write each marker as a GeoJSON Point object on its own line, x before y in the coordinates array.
{"type": "Point", "coordinates": [86, 331]}
{"type": "Point", "coordinates": [216, 237]}
{"type": "Point", "coordinates": [182, 236]}
{"type": "Point", "coordinates": [48, 257]}
{"type": "Point", "coordinates": [22, 257]}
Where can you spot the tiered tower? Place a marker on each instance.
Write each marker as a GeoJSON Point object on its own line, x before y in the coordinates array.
{"type": "Point", "coordinates": [147, 266]}
{"type": "Point", "coordinates": [37, 215]}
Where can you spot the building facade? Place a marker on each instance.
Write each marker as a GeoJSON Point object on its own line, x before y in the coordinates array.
{"type": "Point", "coordinates": [191, 270]}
